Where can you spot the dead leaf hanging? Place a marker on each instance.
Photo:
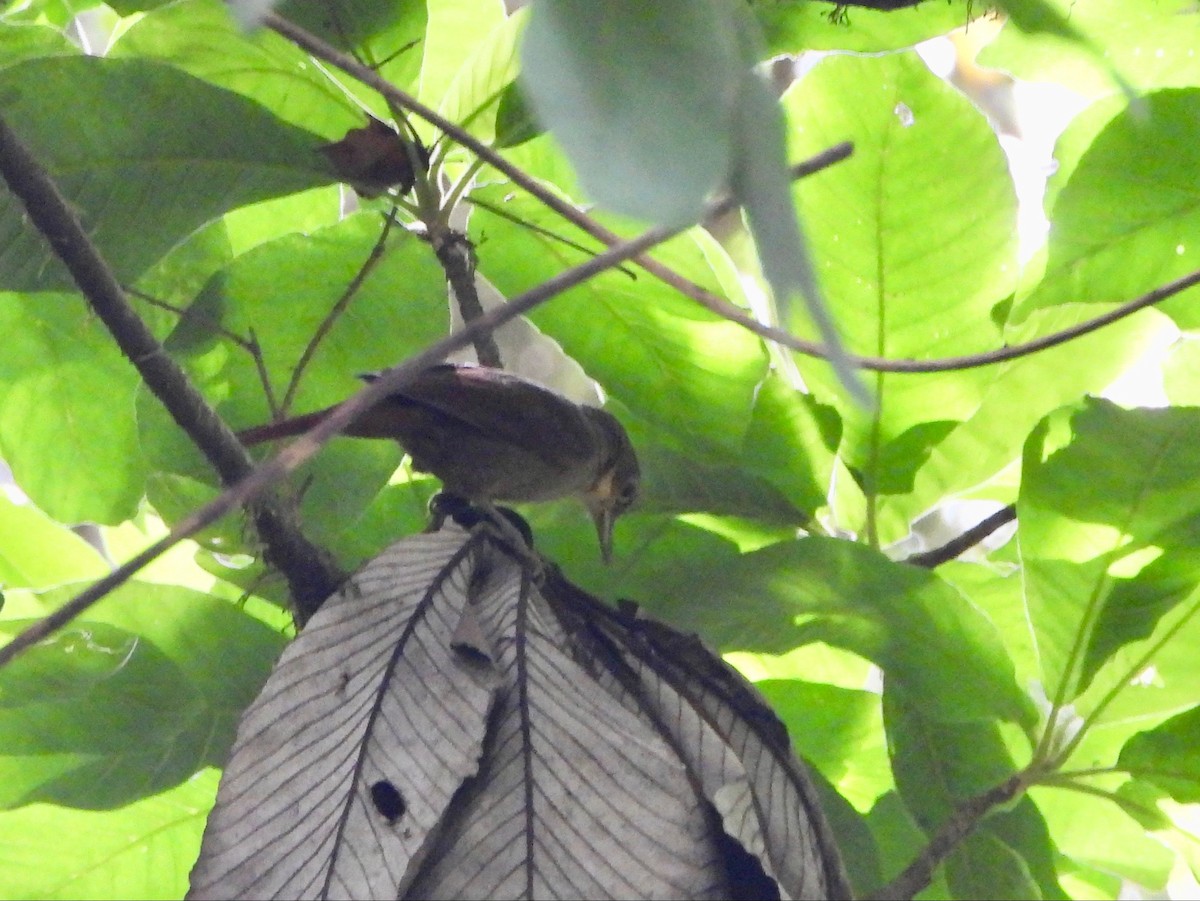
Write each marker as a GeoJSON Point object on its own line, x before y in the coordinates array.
{"type": "Point", "coordinates": [374, 158]}
{"type": "Point", "coordinates": [446, 726]}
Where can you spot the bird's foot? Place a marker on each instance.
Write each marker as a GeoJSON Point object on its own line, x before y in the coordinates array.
{"type": "Point", "coordinates": [505, 525]}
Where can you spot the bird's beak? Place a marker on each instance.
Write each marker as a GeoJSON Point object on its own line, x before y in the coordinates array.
{"type": "Point", "coordinates": [604, 518]}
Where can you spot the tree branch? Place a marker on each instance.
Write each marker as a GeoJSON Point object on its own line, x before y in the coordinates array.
{"type": "Point", "coordinates": [968, 539]}
{"type": "Point", "coordinates": [335, 313]}
{"type": "Point", "coordinates": [457, 256]}
{"type": "Point", "coordinates": [966, 817]}
{"type": "Point", "coordinates": [310, 571]}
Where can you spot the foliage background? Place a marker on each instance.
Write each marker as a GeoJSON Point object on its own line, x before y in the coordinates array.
{"type": "Point", "coordinates": [773, 519]}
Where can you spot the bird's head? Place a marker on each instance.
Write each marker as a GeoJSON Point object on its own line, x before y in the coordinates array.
{"type": "Point", "coordinates": [617, 480]}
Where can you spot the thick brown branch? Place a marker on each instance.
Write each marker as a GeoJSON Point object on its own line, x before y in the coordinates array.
{"type": "Point", "coordinates": [457, 256]}
{"type": "Point", "coordinates": [310, 575]}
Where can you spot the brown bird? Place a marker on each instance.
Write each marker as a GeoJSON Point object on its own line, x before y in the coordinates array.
{"type": "Point", "coordinates": [492, 436]}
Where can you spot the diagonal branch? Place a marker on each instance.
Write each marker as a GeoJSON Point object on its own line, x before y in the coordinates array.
{"type": "Point", "coordinates": [705, 298]}
{"type": "Point", "coordinates": [310, 572]}
{"type": "Point", "coordinates": [965, 819]}
{"type": "Point", "coordinates": [968, 539]}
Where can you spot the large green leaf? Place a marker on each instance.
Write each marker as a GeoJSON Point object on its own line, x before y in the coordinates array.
{"type": "Point", "coordinates": [839, 731]}
{"type": "Point", "coordinates": [201, 38]}
{"type": "Point", "coordinates": [131, 141]}
{"type": "Point", "coordinates": [1124, 222]}
{"type": "Point", "coordinates": [641, 96]}
{"type": "Point", "coordinates": [36, 552]}
{"type": "Point", "coordinates": [67, 425]}
{"type": "Point", "coordinates": [282, 292]}
{"type": "Point", "coordinates": [1016, 396]}
{"type": "Point", "coordinates": [913, 238]}
{"type": "Point", "coordinates": [1151, 44]}
{"type": "Point", "coordinates": [1168, 756]}
{"type": "Point", "coordinates": [844, 594]}
{"type": "Point", "coordinates": [142, 850]}
{"type": "Point", "coordinates": [1108, 513]}
{"type": "Point", "coordinates": [454, 32]}
{"type": "Point", "coordinates": [1095, 832]}
{"type": "Point", "coordinates": [129, 701]}
{"type": "Point", "coordinates": [938, 766]}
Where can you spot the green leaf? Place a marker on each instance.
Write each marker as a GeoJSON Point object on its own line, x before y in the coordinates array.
{"type": "Point", "coordinates": [201, 38]}
{"type": "Point", "coordinates": [196, 152]}
{"type": "Point", "coordinates": [641, 96]}
{"type": "Point", "coordinates": [129, 701]}
{"type": "Point", "coordinates": [837, 730]}
{"type": "Point", "coordinates": [1168, 756]}
{"type": "Point", "coordinates": [36, 552]}
{"type": "Point", "coordinates": [790, 443]}
{"type": "Point", "coordinates": [898, 265]}
{"type": "Point", "coordinates": [1151, 44]}
{"type": "Point", "coordinates": [1095, 833]}
{"type": "Point", "coordinates": [1016, 396]}
{"type": "Point", "coordinates": [1108, 505]}
{"type": "Point", "coordinates": [940, 766]}
{"type": "Point", "coordinates": [142, 850]}
{"type": "Point", "coordinates": [30, 41]}
{"type": "Point", "coordinates": [67, 424]}
{"type": "Point", "coordinates": [282, 292]}
{"type": "Point", "coordinates": [900, 840]}
{"type": "Point", "coordinates": [1125, 220]}
{"type": "Point", "coordinates": [514, 120]}
{"type": "Point", "coordinates": [846, 595]}
{"type": "Point", "coordinates": [476, 97]}
{"type": "Point", "coordinates": [454, 32]}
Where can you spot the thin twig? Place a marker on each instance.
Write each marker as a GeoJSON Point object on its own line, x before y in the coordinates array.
{"type": "Point", "coordinates": [966, 817]}
{"type": "Point", "coordinates": [245, 344]}
{"type": "Point", "coordinates": [250, 344]}
{"type": "Point", "coordinates": [968, 539]}
{"type": "Point", "coordinates": [336, 311]}
{"type": "Point", "coordinates": [311, 574]}
{"type": "Point", "coordinates": [549, 234]}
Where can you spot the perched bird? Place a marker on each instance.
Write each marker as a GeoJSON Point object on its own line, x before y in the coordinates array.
{"type": "Point", "coordinates": [493, 436]}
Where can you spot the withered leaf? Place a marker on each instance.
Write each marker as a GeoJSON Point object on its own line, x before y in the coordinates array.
{"type": "Point", "coordinates": [373, 159]}
{"type": "Point", "coordinates": [449, 726]}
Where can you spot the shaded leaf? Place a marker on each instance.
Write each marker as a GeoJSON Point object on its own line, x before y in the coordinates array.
{"type": "Point", "coordinates": [1126, 30]}
{"type": "Point", "coordinates": [131, 852]}
{"type": "Point", "coordinates": [625, 87]}
{"type": "Point", "coordinates": [67, 427]}
{"type": "Point", "coordinates": [1108, 506]}
{"type": "Point", "coordinates": [197, 152]}
{"type": "Point", "coordinates": [128, 702]}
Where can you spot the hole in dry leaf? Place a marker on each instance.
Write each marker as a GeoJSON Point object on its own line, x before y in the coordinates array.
{"type": "Point", "coordinates": [388, 801]}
